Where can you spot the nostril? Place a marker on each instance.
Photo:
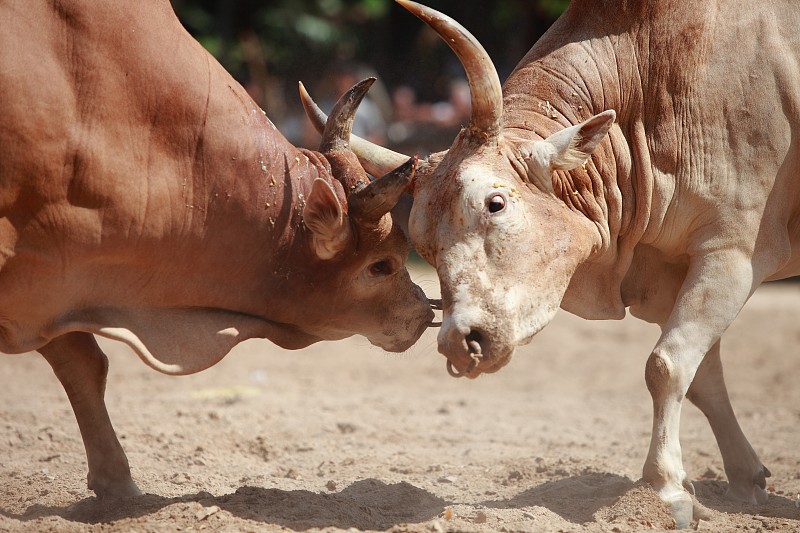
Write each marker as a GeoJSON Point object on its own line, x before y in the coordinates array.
{"type": "Point", "coordinates": [474, 339]}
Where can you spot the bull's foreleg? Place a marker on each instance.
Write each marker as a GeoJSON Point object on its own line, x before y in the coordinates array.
{"type": "Point", "coordinates": [716, 287]}
{"type": "Point", "coordinates": [81, 367]}
{"type": "Point", "coordinates": [746, 474]}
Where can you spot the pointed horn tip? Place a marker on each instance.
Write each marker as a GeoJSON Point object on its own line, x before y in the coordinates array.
{"type": "Point", "coordinates": [409, 167]}
{"type": "Point", "coordinates": [305, 97]}
{"type": "Point", "coordinates": [339, 123]}
{"type": "Point", "coordinates": [408, 172]}
{"type": "Point", "coordinates": [418, 10]}
{"type": "Point", "coordinates": [366, 83]}
{"type": "Point", "coordinates": [358, 91]}
{"type": "Point", "coordinates": [411, 6]}
{"type": "Point", "coordinates": [414, 165]}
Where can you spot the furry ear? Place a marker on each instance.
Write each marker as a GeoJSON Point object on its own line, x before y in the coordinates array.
{"type": "Point", "coordinates": [570, 147]}
{"type": "Point", "coordinates": [324, 216]}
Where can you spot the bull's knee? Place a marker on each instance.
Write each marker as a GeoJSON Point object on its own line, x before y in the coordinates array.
{"type": "Point", "coordinates": [659, 375]}
{"type": "Point", "coordinates": [97, 363]}
{"type": "Point", "coordinates": [77, 361]}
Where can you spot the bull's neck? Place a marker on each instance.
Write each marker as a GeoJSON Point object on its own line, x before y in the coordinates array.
{"type": "Point", "coordinates": [243, 164]}
{"type": "Point", "coordinates": [567, 78]}
{"type": "Point", "coordinates": [241, 197]}
{"type": "Point", "coordinates": [564, 80]}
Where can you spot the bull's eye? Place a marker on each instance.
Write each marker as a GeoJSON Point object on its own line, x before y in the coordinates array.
{"type": "Point", "coordinates": [380, 268]}
{"type": "Point", "coordinates": [496, 203]}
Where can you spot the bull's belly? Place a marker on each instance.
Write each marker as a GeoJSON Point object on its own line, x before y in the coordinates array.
{"type": "Point", "coordinates": [22, 328]}
{"type": "Point", "coordinates": [790, 269]}
{"type": "Point", "coordinates": [38, 292]}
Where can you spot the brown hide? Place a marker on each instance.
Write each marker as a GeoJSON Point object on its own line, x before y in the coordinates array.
{"type": "Point", "coordinates": [136, 173]}
{"type": "Point", "coordinates": [146, 198]}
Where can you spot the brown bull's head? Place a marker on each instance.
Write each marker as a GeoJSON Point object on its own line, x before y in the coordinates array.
{"type": "Point", "coordinates": [357, 247]}
{"type": "Point", "coordinates": [487, 215]}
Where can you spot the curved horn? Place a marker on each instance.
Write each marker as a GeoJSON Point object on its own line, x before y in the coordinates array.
{"type": "Point", "coordinates": [486, 93]}
{"type": "Point", "coordinates": [368, 204]}
{"type": "Point", "coordinates": [376, 159]}
{"type": "Point", "coordinates": [336, 135]}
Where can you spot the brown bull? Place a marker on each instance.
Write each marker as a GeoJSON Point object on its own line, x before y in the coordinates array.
{"type": "Point", "coordinates": [643, 156]}
{"type": "Point", "coordinates": [144, 197]}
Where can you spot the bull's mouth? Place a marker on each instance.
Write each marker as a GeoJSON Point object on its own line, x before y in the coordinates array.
{"type": "Point", "coordinates": [436, 305]}
{"type": "Point", "coordinates": [391, 343]}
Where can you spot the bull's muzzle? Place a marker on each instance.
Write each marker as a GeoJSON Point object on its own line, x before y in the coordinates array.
{"type": "Point", "coordinates": [474, 348]}
{"type": "Point", "coordinates": [475, 362]}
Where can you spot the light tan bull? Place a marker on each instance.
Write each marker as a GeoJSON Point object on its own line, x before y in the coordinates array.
{"type": "Point", "coordinates": [644, 155]}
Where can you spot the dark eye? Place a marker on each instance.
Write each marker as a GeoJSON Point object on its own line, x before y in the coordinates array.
{"type": "Point", "coordinates": [381, 268]}
{"type": "Point", "coordinates": [496, 203]}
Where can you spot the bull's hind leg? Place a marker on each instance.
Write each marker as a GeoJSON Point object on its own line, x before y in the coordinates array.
{"type": "Point", "coordinates": [81, 367]}
{"type": "Point", "coordinates": [746, 475]}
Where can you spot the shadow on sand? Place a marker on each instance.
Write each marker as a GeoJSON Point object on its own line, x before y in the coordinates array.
{"type": "Point", "coordinates": [371, 504]}
{"type": "Point", "coordinates": [366, 504]}
{"type": "Point", "coordinates": [711, 493]}
{"type": "Point", "coordinates": [578, 498]}
{"type": "Point", "coordinates": [575, 498]}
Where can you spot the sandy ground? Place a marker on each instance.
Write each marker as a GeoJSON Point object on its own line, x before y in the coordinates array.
{"type": "Point", "coordinates": [345, 437]}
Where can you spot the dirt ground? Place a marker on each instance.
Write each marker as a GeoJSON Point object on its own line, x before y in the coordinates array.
{"type": "Point", "coordinates": [344, 437]}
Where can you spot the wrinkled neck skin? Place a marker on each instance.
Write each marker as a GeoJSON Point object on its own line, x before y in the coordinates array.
{"type": "Point", "coordinates": [245, 197]}
{"type": "Point", "coordinates": [547, 93]}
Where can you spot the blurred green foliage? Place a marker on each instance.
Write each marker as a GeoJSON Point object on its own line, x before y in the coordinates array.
{"type": "Point", "coordinates": [296, 37]}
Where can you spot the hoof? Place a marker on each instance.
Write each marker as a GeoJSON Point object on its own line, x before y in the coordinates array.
{"type": "Point", "coordinates": [115, 491]}
{"type": "Point", "coordinates": [681, 507]}
{"type": "Point", "coordinates": [760, 495]}
{"type": "Point", "coordinates": [747, 493]}
{"type": "Point", "coordinates": [752, 491]}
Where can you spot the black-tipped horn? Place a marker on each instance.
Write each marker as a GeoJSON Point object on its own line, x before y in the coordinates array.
{"type": "Point", "coordinates": [485, 90]}
{"type": "Point", "coordinates": [368, 204]}
{"type": "Point", "coordinates": [376, 159]}
{"type": "Point", "coordinates": [336, 135]}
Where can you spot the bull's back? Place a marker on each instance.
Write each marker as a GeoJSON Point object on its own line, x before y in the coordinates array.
{"type": "Point", "coordinates": [77, 79]}
{"type": "Point", "coordinates": [715, 90]}
{"type": "Point", "coordinates": [722, 112]}
{"type": "Point", "coordinates": [37, 104]}
{"type": "Point", "coordinates": [98, 105]}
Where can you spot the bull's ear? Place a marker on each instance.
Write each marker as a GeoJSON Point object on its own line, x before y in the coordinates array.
{"type": "Point", "coordinates": [324, 216]}
{"type": "Point", "coordinates": [570, 147]}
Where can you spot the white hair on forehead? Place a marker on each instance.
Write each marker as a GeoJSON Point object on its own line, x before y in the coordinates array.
{"type": "Point", "coordinates": [478, 179]}
{"type": "Point", "coordinates": [475, 179]}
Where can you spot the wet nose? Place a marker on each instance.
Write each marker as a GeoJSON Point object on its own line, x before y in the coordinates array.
{"type": "Point", "coordinates": [464, 348]}
{"type": "Point", "coordinates": [474, 349]}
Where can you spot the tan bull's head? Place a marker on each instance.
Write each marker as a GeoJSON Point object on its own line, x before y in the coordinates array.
{"type": "Point", "coordinates": [490, 214]}
{"type": "Point", "coordinates": [489, 218]}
